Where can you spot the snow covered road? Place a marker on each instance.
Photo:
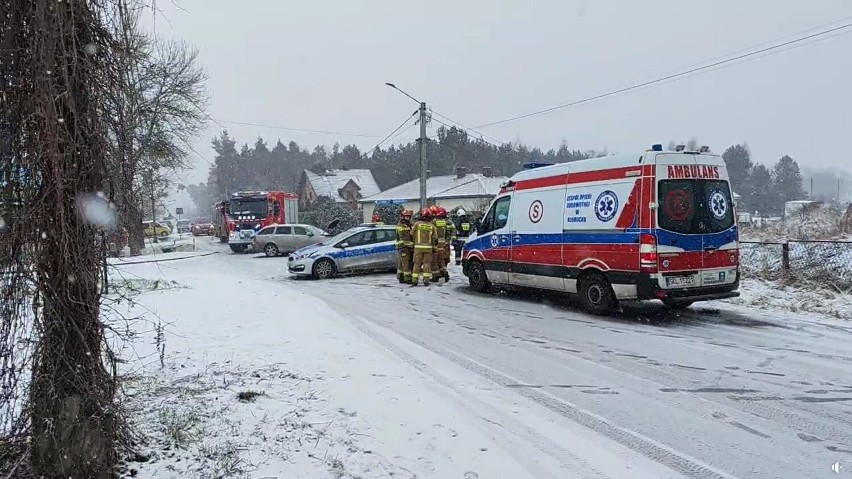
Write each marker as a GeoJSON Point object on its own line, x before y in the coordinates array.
{"type": "Point", "coordinates": [710, 392]}
{"type": "Point", "coordinates": [718, 391]}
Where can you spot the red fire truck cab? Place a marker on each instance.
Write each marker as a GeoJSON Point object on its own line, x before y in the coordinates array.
{"type": "Point", "coordinates": [246, 212]}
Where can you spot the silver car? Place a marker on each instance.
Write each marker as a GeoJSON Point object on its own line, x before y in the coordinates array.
{"type": "Point", "coordinates": [274, 240]}
{"type": "Point", "coordinates": [360, 249]}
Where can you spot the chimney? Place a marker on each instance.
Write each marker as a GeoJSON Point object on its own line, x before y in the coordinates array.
{"type": "Point", "coordinates": [461, 171]}
{"type": "Point", "coordinates": [486, 171]}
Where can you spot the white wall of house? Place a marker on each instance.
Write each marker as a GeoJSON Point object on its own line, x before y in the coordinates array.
{"type": "Point", "coordinates": [468, 204]}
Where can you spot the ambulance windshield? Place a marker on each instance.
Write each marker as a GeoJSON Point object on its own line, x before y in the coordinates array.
{"type": "Point", "coordinates": [695, 206]}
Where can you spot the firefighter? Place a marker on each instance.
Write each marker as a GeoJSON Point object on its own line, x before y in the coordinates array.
{"type": "Point", "coordinates": [444, 234]}
{"type": "Point", "coordinates": [449, 239]}
{"type": "Point", "coordinates": [424, 238]}
{"type": "Point", "coordinates": [463, 230]}
{"type": "Point", "coordinates": [436, 268]}
{"type": "Point", "coordinates": [404, 247]}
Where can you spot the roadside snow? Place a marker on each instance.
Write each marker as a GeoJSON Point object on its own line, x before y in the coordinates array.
{"type": "Point", "coordinates": [773, 295]}
{"type": "Point", "coordinates": [243, 376]}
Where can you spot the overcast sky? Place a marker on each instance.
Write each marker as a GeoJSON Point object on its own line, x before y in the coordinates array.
{"type": "Point", "coordinates": [322, 65]}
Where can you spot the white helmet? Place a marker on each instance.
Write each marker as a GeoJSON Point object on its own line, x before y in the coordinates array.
{"type": "Point", "coordinates": [461, 212]}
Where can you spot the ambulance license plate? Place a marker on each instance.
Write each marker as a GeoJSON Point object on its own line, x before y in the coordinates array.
{"type": "Point", "coordinates": [680, 281]}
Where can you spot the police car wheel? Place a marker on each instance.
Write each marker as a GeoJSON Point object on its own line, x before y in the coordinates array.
{"type": "Point", "coordinates": [271, 250]}
{"type": "Point", "coordinates": [477, 278]}
{"type": "Point", "coordinates": [323, 269]}
{"type": "Point", "coordinates": [597, 295]}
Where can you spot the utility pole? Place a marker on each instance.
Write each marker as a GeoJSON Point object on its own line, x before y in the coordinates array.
{"type": "Point", "coordinates": [423, 170]}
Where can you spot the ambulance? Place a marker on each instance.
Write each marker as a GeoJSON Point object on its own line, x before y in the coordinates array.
{"type": "Point", "coordinates": [659, 225]}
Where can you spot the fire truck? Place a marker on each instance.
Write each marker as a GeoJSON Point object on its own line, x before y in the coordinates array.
{"type": "Point", "coordinates": [245, 212]}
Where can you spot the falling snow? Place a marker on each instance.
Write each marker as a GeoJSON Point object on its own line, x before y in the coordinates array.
{"type": "Point", "coordinates": [97, 210]}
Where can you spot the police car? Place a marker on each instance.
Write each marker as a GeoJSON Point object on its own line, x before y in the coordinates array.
{"type": "Point", "coordinates": [651, 225]}
{"type": "Point", "coordinates": [367, 248]}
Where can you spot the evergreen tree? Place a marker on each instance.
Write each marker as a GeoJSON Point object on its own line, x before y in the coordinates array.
{"type": "Point", "coordinates": [762, 197]}
{"type": "Point", "coordinates": [787, 180]}
{"type": "Point", "coordinates": [224, 172]}
{"type": "Point", "coordinates": [738, 160]}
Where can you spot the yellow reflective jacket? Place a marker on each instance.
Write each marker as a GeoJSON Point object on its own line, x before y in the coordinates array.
{"type": "Point", "coordinates": [443, 231]}
{"type": "Point", "coordinates": [403, 235]}
{"type": "Point", "coordinates": [424, 235]}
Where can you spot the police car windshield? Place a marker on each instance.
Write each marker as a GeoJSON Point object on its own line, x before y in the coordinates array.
{"type": "Point", "coordinates": [338, 237]}
{"type": "Point", "coordinates": [256, 208]}
{"type": "Point", "coordinates": [695, 206]}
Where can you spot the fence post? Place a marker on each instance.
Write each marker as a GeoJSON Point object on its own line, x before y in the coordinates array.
{"type": "Point", "coordinates": [785, 256]}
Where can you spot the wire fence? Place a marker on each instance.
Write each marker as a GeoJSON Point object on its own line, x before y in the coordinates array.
{"type": "Point", "coordinates": [826, 262]}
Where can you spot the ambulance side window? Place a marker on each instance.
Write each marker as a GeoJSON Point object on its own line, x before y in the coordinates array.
{"type": "Point", "coordinates": [497, 216]}
{"type": "Point", "coordinates": [501, 209]}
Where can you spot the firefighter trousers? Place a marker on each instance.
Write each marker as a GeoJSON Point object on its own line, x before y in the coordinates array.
{"type": "Point", "coordinates": [422, 265]}
{"type": "Point", "coordinates": [403, 265]}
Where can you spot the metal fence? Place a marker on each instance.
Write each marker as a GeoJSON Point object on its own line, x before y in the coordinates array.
{"type": "Point", "coordinates": [828, 262]}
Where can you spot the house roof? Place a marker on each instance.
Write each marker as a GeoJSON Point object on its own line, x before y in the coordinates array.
{"type": "Point", "coordinates": [472, 185]}
{"type": "Point", "coordinates": [330, 182]}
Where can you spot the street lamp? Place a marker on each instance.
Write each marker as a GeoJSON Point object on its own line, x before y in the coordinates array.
{"type": "Point", "coordinates": [421, 143]}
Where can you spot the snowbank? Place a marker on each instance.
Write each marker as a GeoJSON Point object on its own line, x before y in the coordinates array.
{"type": "Point", "coordinates": [773, 295]}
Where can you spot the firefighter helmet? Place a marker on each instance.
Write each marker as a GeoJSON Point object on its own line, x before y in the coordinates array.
{"type": "Point", "coordinates": [405, 213]}
{"type": "Point", "coordinates": [425, 213]}
{"type": "Point", "coordinates": [440, 212]}
{"type": "Point", "coordinates": [461, 212]}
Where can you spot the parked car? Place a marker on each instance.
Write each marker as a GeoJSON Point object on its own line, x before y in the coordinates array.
{"type": "Point", "coordinates": [274, 240]}
{"type": "Point", "coordinates": [183, 226]}
{"type": "Point", "coordinates": [202, 226]}
{"type": "Point", "coordinates": [155, 228]}
{"type": "Point", "coordinates": [360, 249]}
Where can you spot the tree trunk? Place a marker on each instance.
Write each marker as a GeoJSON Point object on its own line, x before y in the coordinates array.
{"type": "Point", "coordinates": [73, 418]}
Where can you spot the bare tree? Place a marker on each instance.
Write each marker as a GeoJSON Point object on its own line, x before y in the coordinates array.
{"type": "Point", "coordinates": [155, 110]}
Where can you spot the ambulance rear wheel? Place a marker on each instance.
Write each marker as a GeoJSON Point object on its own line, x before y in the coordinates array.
{"type": "Point", "coordinates": [477, 278]}
{"type": "Point", "coordinates": [596, 295]}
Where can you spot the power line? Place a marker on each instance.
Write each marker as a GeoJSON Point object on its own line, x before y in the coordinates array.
{"type": "Point", "coordinates": [392, 133]}
{"type": "Point", "coordinates": [390, 140]}
{"type": "Point", "coordinates": [471, 130]}
{"type": "Point", "coordinates": [304, 130]}
{"type": "Point", "coordinates": [480, 138]}
{"type": "Point", "coordinates": [709, 67]}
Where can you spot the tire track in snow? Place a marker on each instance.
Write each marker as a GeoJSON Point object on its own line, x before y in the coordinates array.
{"type": "Point", "coordinates": [577, 465]}
{"type": "Point", "coordinates": [648, 447]}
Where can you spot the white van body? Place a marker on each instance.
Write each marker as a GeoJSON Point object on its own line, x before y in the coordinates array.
{"type": "Point", "coordinates": [655, 225]}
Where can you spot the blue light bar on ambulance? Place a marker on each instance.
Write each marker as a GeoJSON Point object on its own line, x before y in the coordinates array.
{"type": "Point", "coordinates": [532, 165]}
{"type": "Point", "coordinates": [657, 147]}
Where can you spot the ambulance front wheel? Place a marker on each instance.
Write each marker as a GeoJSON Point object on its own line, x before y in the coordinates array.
{"type": "Point", "coordinates": [477, 278]}
{"type": "Point", "coordinates": [597, 295]}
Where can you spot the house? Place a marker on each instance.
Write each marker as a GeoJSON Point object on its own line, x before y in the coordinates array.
{"type": "Point", "coordinates": [473, 192]}
{"type": "Point", "coordinates": [345, 186]}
